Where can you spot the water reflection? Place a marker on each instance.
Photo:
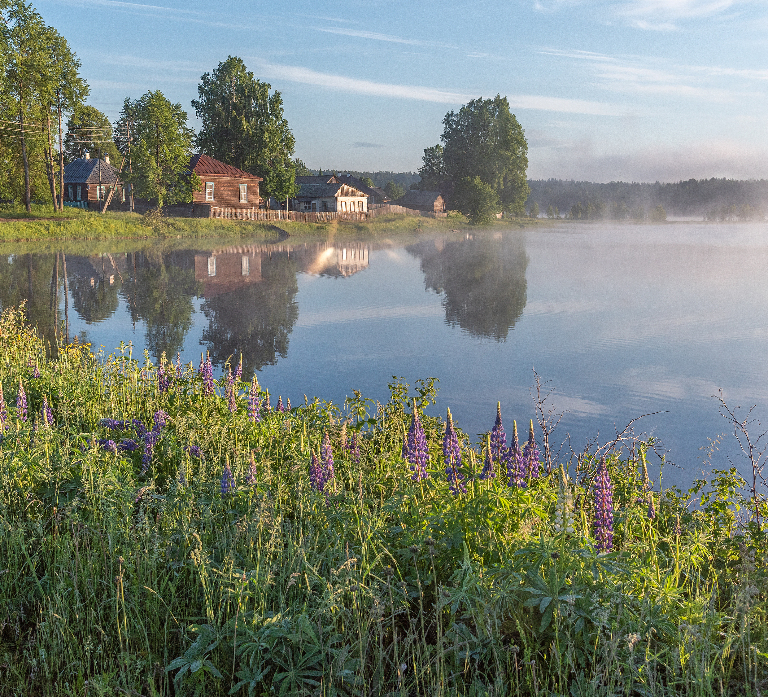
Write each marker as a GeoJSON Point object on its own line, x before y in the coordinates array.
{"type": "Point", "coordinates": [482, 279]}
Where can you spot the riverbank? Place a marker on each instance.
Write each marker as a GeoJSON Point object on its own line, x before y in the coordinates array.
{"type": "Point", "coordinates": [77, 224]}
{"type": "Point", "coordinates": [163, 532]}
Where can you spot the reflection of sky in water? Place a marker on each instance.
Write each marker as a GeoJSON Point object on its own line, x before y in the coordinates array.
{"type": "Point", "coordinates": [622, 320]}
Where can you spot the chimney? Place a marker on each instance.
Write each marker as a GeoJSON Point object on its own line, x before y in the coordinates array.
{"type": "Point", "coordinates": [106, 159]}
{"type": "Point", "coordinates": [87, 156]}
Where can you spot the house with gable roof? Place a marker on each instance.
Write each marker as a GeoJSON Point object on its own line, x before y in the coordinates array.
{"type": "Point", "coordinates": [223, 185]}
{"type": "Point", "coordinates": [87, 182]}
{"type": "Point", "coordinates": [328, 194]}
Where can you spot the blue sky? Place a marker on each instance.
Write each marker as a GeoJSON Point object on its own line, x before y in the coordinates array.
{"type": "Point", "coordinates": [633, 90]}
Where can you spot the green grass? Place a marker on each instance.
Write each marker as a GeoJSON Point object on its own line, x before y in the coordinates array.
{"type": "Point", "coordinates": [116, 578]}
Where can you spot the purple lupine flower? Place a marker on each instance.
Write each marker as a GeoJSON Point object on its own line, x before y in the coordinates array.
{"type": "Point", "coordinates": [107, 444]}
{"type": "Point", "coordinates": [514, 460]}
{"type": "Point", "coordinates": [254, 403]}
{"type": "Point", "coordinates": [315, 474]}
{"type": "Point", "coordinates": [265, 405]}
{"type": "Point", "coordinates": [603, 491]}
{"type": "Point", "coordinates": [416, 450]}
{"type": "Point", "coordinates": [280, 408]}
{"type": "Point", "coordinates": [159, 419]}
{"type": "Point", "coordinates": [239, 371]}
{"type": "Point", "coordinates": [127, 445]}
{"type": "Point", "coordinates": [207, 373]}
{"type": "Point", "coordinates": [227, 481]}
{"type": "Point", "coordinates": [163, 379]}
{"type": "Point", "coordinates": [488, 472]}
{"type": "Point", "coordinates": [498, 438]}
{"type": "Point", "coordinates": [46, 413]}
{"type": "Point", "coordinates": [651, 507]}
{"type": "Point", "coordinates": [231, 392]}
{"type": "Point", "coordinates": [194, 451]}
{"type": "Point", "coordinates": [531, 456]}
{"type": "Point", "coordinates": [354, 448]}
{"type": "Point", "coordinates": [326, 459]}
{"type": "Point", "coordinates": [21, 403]}
{"type": "Point", "coordinates": [150, 439]}
{"type": "Point", "coordinates": [452, 458]}
{"type": "Point", "coordinates": [253, 474]}
{"type": "Point", "coordinates": [114, 424]}
{"type": "Point", "coordinates": [3, 411]}
{"type": "Point", "coordinates": [36, 372]}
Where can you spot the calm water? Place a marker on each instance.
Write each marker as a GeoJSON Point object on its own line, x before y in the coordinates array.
{"type": "Point", "coordinates": [620, 320]}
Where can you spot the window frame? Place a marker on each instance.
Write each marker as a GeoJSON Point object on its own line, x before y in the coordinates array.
{"type": "Point", "coordinates": [210, 191]}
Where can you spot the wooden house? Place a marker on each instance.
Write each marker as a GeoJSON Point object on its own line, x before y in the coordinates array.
{"type": "Point", "coordinates": [327, 193]}
{"type": "Point", "coordinates": [87, 182]}
{"type": "Point", "coordinates": [223, 186]}
{"type": "Point", "coordinates": [376, 196]}
{"type": "Point", "coordinates": [430, 201]}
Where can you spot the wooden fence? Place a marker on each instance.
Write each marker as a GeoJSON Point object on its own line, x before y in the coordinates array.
{"type": "Point", "coordinates": [315, 217]}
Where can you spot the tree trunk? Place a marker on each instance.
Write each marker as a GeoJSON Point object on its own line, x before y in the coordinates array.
{"type": "Point", "coordinates": [27, 190]}
{"type": "Point", "coordinates": [61, 153]}
{"type": "Point", "coordinates": [49, 166]}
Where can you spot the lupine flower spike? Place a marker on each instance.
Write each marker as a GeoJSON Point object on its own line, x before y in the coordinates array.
{"type": "Point", "coordinates": [253, 401]}
{"type": "Point", "coordinates": [46, 413]}
{"type": "Point", "coordinates": [564, 521]}
{"type": "Point", "coordinates": [280, 407]}
{"type": "Point", "coordinates": [488, 472]}
{"type": "Point", "coordinates": [21, 403]}
{"type": "Point", "coordinates": [252, 476]}
{"type": "Point", "coordinates": [231, 393]}
{"type": "Point", "coordinates": [207, 370]}
{"type": "Point", "coordinates": [531, 456]}
{"type": "Point", "coordinates": [315, 474]}
{"type": "Point", "coordinates": [498, 438]}
{"type": "Point", "coordinates": [415, 449]}
{"type": "Point", "coordinates": [227, 481]}
{"type": "Point", "coordinates": [163, 379]}
{"type": "Point", "coordinates": [239, 371]}
{"type": "Point", "coordinates": [603, 490]}
{"type": "Point", "coordinates": [515, 466]}
{"type": "Point", "coordinates": [452, 458]}
{"type": "Point", "coordinates": [326, 459]}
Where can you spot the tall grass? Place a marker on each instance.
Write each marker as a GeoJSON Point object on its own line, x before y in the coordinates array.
{"type": "Point", "coordinates": [141, 572]}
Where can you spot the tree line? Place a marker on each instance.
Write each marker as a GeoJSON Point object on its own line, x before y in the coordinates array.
{"type": "Point", "coordinates": [45, 123]}
{"type": "Point", "coordinates": [714, 199]}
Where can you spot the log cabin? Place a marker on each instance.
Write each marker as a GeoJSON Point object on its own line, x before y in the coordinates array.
{"type": "Point", "coordinates": [430, 201]}
{"type": "Point", "coordinates": [87, 182]}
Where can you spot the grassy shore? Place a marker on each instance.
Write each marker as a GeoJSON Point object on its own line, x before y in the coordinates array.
{"type": "Point", "coordinates": [162, 533]}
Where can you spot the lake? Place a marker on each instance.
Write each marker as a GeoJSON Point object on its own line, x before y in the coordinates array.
{"type": "Point", "coordinates": [618, 320]}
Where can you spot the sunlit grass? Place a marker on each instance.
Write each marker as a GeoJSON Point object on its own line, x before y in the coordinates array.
{"type": "Point", "coordinates": [128, 572]}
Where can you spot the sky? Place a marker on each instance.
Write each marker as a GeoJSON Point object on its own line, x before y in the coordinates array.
{"type": "Point", "coordinates": [605, 90]}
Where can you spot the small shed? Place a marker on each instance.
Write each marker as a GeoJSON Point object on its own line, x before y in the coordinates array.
{"type": "Point", "coordinates": [223, 185]}
{"type": "Point", "coordinates": [327, 193]}
{"type": "Point", "coordinates": [431, 201]}
{"type": "Point", "coordinates": [87, 182]}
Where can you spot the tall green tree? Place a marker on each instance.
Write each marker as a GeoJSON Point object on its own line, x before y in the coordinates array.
{"type": "Point", "coordinates": [161, 147]}
{"type": "Point", "coordinates": [432, 172]}
{"type": "Point", "coordinates": [89, 131]}
{"type": "Point", "coordinates": [484, 140]}
{"type": "Point", "coordinates": [394, 190]}
{"type": "Point", "coordinates": [244, 126]}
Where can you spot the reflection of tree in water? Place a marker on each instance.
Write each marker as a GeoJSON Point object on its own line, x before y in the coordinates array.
{"type": "Point", "coordinates": [93, 296]}
{"type": "Point", "coordinates": [160, 293]}
{"type": "Point", "coordinates": [256, 319]}
{"type": "Point", "coordinates": [34, 279]}
{"type": "Point", "coordinates": [482, 281]}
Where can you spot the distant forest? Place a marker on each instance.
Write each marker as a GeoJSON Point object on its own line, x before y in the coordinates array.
{"type": "Point", "coordinates": [380, 179]}
{"type": "Point", "coordinates": [714, 199]}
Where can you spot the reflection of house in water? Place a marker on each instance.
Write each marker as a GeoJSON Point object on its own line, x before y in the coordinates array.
{"type": "Point", "coordinates": [225, 270]}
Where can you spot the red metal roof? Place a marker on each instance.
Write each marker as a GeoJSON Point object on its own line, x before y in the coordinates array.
{"type": "Point", "coordinates": [203, 165]}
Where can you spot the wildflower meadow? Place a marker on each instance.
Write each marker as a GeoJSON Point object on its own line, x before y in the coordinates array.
{"type": "Point", "coordinates": [163, 532]}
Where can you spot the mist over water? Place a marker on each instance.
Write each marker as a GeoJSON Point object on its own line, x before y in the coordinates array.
{"type": "Point", "coordinates": [620, 320]}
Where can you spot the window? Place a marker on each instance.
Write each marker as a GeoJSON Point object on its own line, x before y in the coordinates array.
{"type": "Point", "coordinates": [324, 205]}
{"type": "Point", "coordinates": [101, 190]}
{"type": "Point", "coordinates": [209, 192]}
{"type": "Point", "coordinates": [243, 193]}
{"type": "Point", "coordinates": [245, 266]}
{"type": "Point", "coordinates": [69, 192]}
{"type": "Point", "coordinates": [359, 205]}
{"type": "Point", "coordinates": [79, 192]}
{"type": "Point", "coordinates": [211, 266]}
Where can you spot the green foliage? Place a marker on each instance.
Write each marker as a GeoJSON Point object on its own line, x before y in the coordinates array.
{"type": "Point", "coordinates": [243, 125]}
{"type": "Point", "coordinates": [160, 149]}
{"type": "Point", "coordinates": [152, 581]}
{"type": "Point", "coordinates": [477, 200]}
{"type": "Point", "coordinates": [89, 131]}
{"type": "Point", "coordinates": [394, 190]}
{"type": "Point", "coordinates": [658, 214]}
{"type": "Point", "coordinates": [432, 172]}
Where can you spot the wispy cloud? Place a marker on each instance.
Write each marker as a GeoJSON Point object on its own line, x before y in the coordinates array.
{"type": "Point", "coordinates": [374, 36]}
{"type": "Point", "coordinates": [341, 83]}
{"type": "Point", "coordinates": [363, 144]}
